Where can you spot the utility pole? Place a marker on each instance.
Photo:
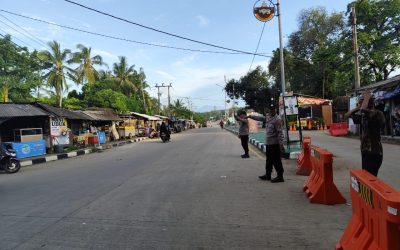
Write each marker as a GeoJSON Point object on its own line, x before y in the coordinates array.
{"type": "Point", "coordinates": [169, 97]}
{"type": "Point", "coordinates": [283, 81]}
{"type": "Point", "coordinates": [355, 48]}
{"type": "Point", "coordinates": [144, 100]}
{"type": "Point", "coordinates": [158, 96]}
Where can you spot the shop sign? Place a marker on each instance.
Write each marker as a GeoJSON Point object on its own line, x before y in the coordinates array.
{"type": "Point", "coordinates": [265, 11]}
{"type": "Point", "coordinates": [58, 126]}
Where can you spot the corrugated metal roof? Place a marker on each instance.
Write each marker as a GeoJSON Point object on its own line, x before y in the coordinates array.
{"type": "Point", "coordinates": [62, 112]}
{"type": "Point", "coordinates": [389, 83]}
{"type": "Point", "coordinates": [148, 117]}
{"type": "Point", "coordinates": [102, 114]}
{"type": "Point", "coordinates": [10, 110]}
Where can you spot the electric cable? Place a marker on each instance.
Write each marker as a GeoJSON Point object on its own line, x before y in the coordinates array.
{"type": "Point", "coordinates": [258, 45]}
{"type": "Point", "coordinates": [126, 39]}
{"type": "Point", "coordinates": [31, 36]}
{"type": "Point", "coordinates": [157, 30]}
{"type": "Point", "coordinates": [29, 45]}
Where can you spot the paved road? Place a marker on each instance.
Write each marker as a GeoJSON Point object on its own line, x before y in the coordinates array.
{"type": "Point", "coordinates": [347, 155]}
{"type": "Point", "coordinates": [193, 193]}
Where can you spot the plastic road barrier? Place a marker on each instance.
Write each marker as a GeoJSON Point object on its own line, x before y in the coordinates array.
{"type": "Point", "coordinates": [337, 129]}
{"type": "Point", "coordinates": [375, 221]}
{"type": "Point", "coordinates": [319, 187]}
{"type": "Point", "coordinates": [304, 159]}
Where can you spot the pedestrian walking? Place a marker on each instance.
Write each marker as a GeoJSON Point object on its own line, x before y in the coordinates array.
{"type": "Point", "coordinates": [243, 132]}
{"type": "Point", "coordinates": [273, 145]}
{"type": "Point", "coordinates": [371, 122]}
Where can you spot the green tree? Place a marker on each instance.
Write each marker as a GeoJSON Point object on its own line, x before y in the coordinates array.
{"type": "Point", "coordinates": [123, 74]}
{"type": "Point", "coordinates": [314, 44]}
{"type": "Point", "coordinates": [378, 37]}
{"type": "Point", "coordinates": [254, 88]}
{"type": "Point", "coordinates": [19, 72]}
{"type": "Point", "coordinates": [86, 71]}
{"type": "Point", "coordinates": [55, 64]}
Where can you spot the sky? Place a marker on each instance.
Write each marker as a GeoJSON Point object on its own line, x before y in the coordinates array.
{"type": "Point", "coordinates": [227, 23]}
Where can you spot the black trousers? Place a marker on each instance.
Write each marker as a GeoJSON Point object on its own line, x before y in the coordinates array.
{"type": "Point", "coordinates": [371, 162]}
{"type": "Point", "coordinates": [245, 143]}
{"type": "Point", "coordinates": [273, 159]}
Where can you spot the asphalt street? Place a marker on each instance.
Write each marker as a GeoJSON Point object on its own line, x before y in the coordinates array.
{"type": "Point", "coordinates": [192, 193]}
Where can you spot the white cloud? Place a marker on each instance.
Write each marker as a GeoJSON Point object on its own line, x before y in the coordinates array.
{"type": "Point", "coordinates": [104, 53]}
{"type": "Point", "coordinates": [165, 75]}
{"type": "Point", "coordinates": [202, 21]}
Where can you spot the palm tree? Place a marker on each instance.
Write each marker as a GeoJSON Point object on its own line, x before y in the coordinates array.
{"type": "Point", "coordinates": [54, 61]}
{"type": "Point", "coordinates": [85, 72]}
{"type": "Point", "coordinates": [123, 74]}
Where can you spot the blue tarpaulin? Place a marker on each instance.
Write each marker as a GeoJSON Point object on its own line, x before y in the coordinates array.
{"type": "Point", "coordinates": [102, 137]}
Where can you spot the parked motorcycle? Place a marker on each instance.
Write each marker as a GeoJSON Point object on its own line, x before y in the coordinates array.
{"type": "Point", "coordinates": [165, 137]}
{"type": "Point", "coordinates": [8, 159]}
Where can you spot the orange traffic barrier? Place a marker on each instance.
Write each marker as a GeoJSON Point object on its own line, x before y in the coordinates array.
{"type": "Point", "coordinates": [319, 186]}
{"type": "Point", "coordinates": [304, 159]}
{"type": "Point", "coordinates": [375, 221]}
{"type": "Point", "coordinates": [341, 128]}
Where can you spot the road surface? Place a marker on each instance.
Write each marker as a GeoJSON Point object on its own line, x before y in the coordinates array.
{"type": "Point", "coordinates": [192, 193]}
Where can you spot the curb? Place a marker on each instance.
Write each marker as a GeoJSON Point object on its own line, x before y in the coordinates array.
{"type": "Point", "coordinates": [64, 156]}
{"type": "Point", "coordinates": [261, 146]}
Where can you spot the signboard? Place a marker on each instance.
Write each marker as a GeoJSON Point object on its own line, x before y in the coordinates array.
{"type": "Point", "coordinates": [29, 149]}
{"type": "Point", "coordinates": [58, 126]}
{"type": "Point", "coordinates": [265, 12]}
{"type": "Point", "coordinates": [291, 106]}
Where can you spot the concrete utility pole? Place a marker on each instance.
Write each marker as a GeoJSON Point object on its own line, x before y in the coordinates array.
{"type": "Point", "coordinates": [169, 97]}
{"type": "Point", "coordinates": [223, 89]}
{"type": "Point", "coordinates": [355, 48]}
{"type": "Point", "coordinates": [283, 80]}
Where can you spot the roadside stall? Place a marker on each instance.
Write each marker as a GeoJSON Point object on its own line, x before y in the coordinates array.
{"type": "Point", "coordinates": [145, 123]}
{"type": "Point", "coordinates": [65, 126]}
{"type": "Point", "coordinates": [127, 127]}
{"type": "Point", "coordinates": [103, 126]}
{"type": "Point", "coordinates": [314, 112]}
{"type": "Point", "coordinates": [22, 126]}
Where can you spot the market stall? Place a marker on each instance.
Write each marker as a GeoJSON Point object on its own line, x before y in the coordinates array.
{"type": "Point", "coordinates": [22, 127]}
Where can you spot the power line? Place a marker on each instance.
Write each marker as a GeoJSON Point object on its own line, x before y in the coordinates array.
{"type": "Point", "coordinates": [31, 36]}
{"type": "Point", "coordinates": [258, 45]}
{"type": "Point", "coordinates": [126, 39]}
{"type": "Point", "coordinates": [157, 30]}
{"type": "Point", "coordinates": [16, 39]}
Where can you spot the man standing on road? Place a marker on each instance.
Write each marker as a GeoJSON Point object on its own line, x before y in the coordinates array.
{"type": "Point", "coordinates": [371, 121]}
{"type": "Point", "coordinates": [273, 143]}
{"type": "Point", "coordinates": [243, 132]}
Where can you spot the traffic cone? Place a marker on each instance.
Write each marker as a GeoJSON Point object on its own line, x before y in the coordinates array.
{"type": "Point", "coordinates": [325, 128]}
{"type": "Point", "coordinates": [309, 125]}
{"type": "Point", "coordinates": [294, 127]}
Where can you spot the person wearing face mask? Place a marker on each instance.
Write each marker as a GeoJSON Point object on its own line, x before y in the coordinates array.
{"type": "Point", "coordinates": [273, 143]}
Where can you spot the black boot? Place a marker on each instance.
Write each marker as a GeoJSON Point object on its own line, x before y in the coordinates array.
{"type": "Point", "coordinates": [266, 177]}
{"type": "Point", "coordinates": [277, 179]}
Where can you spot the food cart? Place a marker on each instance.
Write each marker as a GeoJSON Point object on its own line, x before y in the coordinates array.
{"type": "Point", "coordinates": [28, 142]}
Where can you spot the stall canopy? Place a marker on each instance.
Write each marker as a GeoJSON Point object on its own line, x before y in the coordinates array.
{"type": "Point", "coordinates": [147, 117]}
{"type": "Point", "coordinates": [307, 101]}
{"type": "Point", "coordinates": [66, 113]}
{"type": "Point", "coordinates": [12, 110]}
{"type": "Point", "coordinates": [102, 114]}
{"type": "Point", "coordinates": [162, 117]}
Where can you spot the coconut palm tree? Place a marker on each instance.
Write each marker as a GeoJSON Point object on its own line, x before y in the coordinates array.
{"type": "Point", "coordinates": [85, 72]}
{"type": "Point", "coordinates": [55, 61]}
{"type": "Point", "coordinates": [124, 74]}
